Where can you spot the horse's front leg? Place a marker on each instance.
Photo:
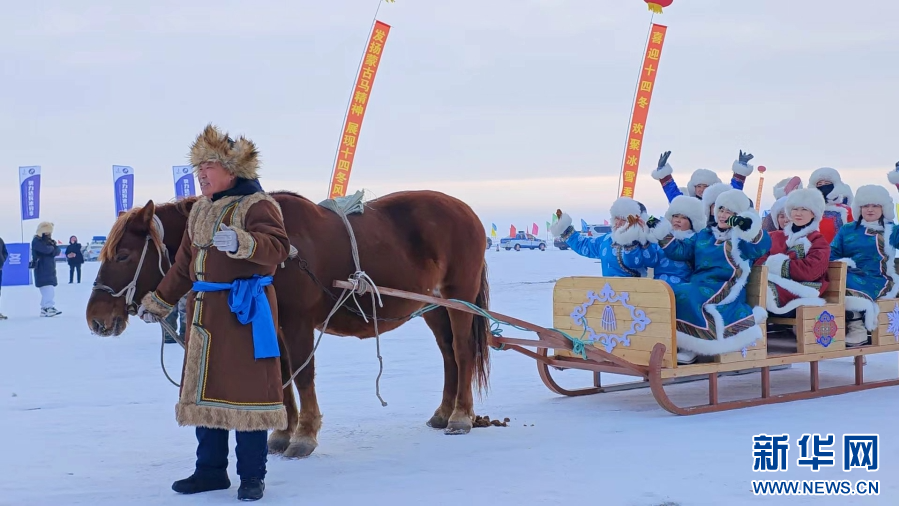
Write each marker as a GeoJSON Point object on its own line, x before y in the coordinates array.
{"type": "Point", "coordinates": [304, 438]}
{"type": "Point", "coordinates": [279, 439]}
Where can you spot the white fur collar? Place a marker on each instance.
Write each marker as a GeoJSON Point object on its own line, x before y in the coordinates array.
{"type": "Point", "coordinates": [873, 226]}
{"type": "Point", "coordinates": [793, 237]}
{"type": "Point", "coordinates": [682, 234]}
{"type": "Point", "coordinates": [719, 235]}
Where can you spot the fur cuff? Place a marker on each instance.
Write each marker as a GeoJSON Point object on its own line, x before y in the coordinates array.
{"type": "Point", "coordinates": [658, 174]}
{"type": "Point", "coordinates": [754, 234]}
{"type": "Point", "coordinates": [848, 261]}
{"type": "Point", "coordinates": [892, 175]}
{"type": "Point", "coordinates": [775, 264]}
{"type": "Point", "coordinates": [863, 305]}
{"type": "Point", "coordinates": [214, 417]}
{"type": "Point", "coordinates": [737, 342]}
{"type": "Point", "coordinates": [156, 306]}
{"type": "Point", "coordinates": [661, 230]}
{"type": "Point", "coordinates": [743, 170]}
{"type": "Point", "coordinates": [246, 245]}
{"type": "Point", "coordinates": [794, 287]}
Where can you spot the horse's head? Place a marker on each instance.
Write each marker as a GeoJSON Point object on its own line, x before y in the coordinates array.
{"type": "Point", "coordinates": [133, 262]}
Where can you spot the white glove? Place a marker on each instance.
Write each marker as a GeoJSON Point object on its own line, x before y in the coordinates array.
{"type": "Point", "coordinates": [146, 316]}
{"type": "Point", "coordinates": [558, 227]}
{"type": "Point", "coordinates": [225, 239]}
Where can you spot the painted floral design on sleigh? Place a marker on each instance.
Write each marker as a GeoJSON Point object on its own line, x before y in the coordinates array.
{"type": "Point", "coordinates": [625, 317]}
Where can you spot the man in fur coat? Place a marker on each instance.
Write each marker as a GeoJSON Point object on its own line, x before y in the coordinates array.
{"type": "Point", "coordinates": [232, 375]}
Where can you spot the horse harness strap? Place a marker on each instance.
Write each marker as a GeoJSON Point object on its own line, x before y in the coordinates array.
{"type": "Point", "coordinates": [343, 206]}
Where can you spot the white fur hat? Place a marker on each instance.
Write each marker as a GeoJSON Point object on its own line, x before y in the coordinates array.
{"type": "Point", "coordinates": [734, 201]}
{"type": "Point", "coordinates": [779, 188]}
{"type": "Point", "coordinates": [824, 173]}
{"type": "Point", "coordinates": [624, 207]}
{"type": "Point", "coordinates": [710, 195]}
{"type": "Point", "coordinates": [778, 207]}
{"type": "Point", "coordinates": [874, 194]}
{"type": "Point", "coordinates": [690, 207]}
{"type": "Point", "coordinates": [809, 198]}
{"type": "Point", "coordinates": [701, 176]}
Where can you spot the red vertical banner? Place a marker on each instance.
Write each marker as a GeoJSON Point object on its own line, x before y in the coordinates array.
{"type": "Point", "coordinates": [641, 109]}
{"type": "Point", "coordinates": [353, 124]}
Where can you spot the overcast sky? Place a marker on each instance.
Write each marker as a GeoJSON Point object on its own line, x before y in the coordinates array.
{"type": "Point", "coordinates": [518, 107]}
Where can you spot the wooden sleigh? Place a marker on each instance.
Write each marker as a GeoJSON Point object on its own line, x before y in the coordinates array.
{"type": "Point", "coordinates": [626, 326]}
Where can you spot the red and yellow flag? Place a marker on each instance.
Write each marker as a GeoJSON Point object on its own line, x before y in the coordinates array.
{"type": "Point", "coordinates": [353, 124]}
{"type": "Point", "coordinates": [641, 109]}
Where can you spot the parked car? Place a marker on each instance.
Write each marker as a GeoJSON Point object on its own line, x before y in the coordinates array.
{"type": "Point", "coordinates": [92, 251]}
{"type": "Point", "coordinates": [522, 240]}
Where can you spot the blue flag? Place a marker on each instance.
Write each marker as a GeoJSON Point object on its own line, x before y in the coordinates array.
{"type": "Point", "coordinates": [584, 226]}
{"type": "Point", "coordinates": [123, 181]}
{"type": "Point", "coordinates": [30, 191]}
{"type": "Point", "coordinates": [184, 181]}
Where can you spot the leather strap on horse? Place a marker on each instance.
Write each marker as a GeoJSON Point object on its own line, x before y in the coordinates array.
{"type": "Point", "coordinates": [343, 206]}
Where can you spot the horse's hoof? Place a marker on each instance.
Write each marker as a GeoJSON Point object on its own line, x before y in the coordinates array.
{"type": "Point", "coordinates": [438, 422]}
{"type": "Point", "coordinates": [301, 448]}
{"type": "Point", "coordinates": [455, 427]}
{"type": "Point", "coordinates": [278, 442]}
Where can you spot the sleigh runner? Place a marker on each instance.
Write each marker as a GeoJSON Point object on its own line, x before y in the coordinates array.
{"type": "Point", "coordinates": [627, 326]}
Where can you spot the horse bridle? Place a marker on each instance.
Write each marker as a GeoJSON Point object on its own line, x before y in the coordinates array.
{"type": "Point", "coordinates": [128, 290]}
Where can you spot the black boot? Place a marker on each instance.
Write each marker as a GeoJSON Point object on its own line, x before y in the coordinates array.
{"type": "Point", "coordinates": [197, 483]}
{"type": "Point", "coordinates": [250, 489]}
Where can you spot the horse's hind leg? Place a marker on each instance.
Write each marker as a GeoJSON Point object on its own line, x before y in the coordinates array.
{"type": "Point", "coordinates": [464, 350]}
{"type": "Point", "coordinates": [279, 439]}
{"type": "Point", "coordinates": [439, 322]}
{"type": "Point", "coordinates": [304, 439]}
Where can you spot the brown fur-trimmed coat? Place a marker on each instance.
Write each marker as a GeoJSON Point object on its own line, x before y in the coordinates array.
{"type": "Point", "coordinates": [222, 384]}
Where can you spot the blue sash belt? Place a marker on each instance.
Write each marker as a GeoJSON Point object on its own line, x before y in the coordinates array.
{"type": "Point", "coordinates": [248, 301]}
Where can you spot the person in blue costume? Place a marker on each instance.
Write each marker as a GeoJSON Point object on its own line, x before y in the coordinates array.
{"type": "Point", "coordinates": [709, 196]}
{"type": "Point", "coordinates": [701, 178]}
{"type": "Point", "coordinates": [684, 217]}
{"type": "Point", "coordinates": [626, 251]}
{"type": "Point", "coordinates": [712, 314]}
{"type": "Point", "coordinates": [868, 246]}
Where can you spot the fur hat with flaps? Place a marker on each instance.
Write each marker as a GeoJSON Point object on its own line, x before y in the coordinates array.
{"type": "Point", "coordinates": [240, 158]}
{"type": "Point", "coordinates": [44, 228]}
{"type": "Point", "coordinates": [778, 207]}
{"type": "Point", "coordinates": [734, 201]}
{"type": "Point", "coordinates": [824, 174]}
{"type": "Point", "coordinates": [710, 195]}
{"type": "Point", "coordinates": [874, 194]}
{"type": "Point", "coordinates": [810, 199]}
{"type": "Point", "coordinates": [701, 176]}
{"type": "Point", "coordinates": [691, 208]}
{"type": "Point", "coordinates": [624, 207]}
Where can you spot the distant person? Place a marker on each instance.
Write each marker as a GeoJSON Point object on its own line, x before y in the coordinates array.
{"type": "Point", "coordinates": [43, 253]}
{"type": "Point", "coordinates": [4, 254]}
{"type": "Point", "coordinates": [75, 258]}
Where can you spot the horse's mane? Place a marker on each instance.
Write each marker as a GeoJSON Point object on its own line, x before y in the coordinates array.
{"type": "Point", "coordinates": [118, 228]}
{"type": "Point", "coordinates": [288, 193]}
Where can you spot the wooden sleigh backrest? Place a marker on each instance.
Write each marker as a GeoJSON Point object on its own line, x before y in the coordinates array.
{"type": "Point", "coordinates": [757, 286]}
{"type": "Point", "coordinates": [836, 290]}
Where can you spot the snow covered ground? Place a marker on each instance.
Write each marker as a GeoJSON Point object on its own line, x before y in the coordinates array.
{"type": "Point", "coordinates": [85, 420]}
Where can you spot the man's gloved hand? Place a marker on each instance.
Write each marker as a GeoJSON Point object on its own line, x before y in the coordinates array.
{"type": "Point", "coordinates": [147, 316]}
{"type": "Point", "coordinates": [225, 239]}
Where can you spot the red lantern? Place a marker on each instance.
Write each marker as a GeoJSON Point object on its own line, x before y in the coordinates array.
{"type": "Point", "coordinates": [656, 6]}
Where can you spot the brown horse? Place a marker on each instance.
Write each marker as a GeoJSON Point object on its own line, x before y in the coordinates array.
{"type": "Point", "coordinates": [422, 241]}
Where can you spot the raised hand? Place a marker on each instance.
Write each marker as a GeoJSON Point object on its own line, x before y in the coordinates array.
{"type": "Point", "coordinates": [745, 157]}
{"type": "Point", "coordinates": [652, 222]}
{"type": "Point", "coordinates": [740, 222]}
{"type": "Point", "coordinates": [664, 159]}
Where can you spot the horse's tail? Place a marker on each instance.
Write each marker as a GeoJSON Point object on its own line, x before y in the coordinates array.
{"type": "Point", "coordinates": [481, 332]}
